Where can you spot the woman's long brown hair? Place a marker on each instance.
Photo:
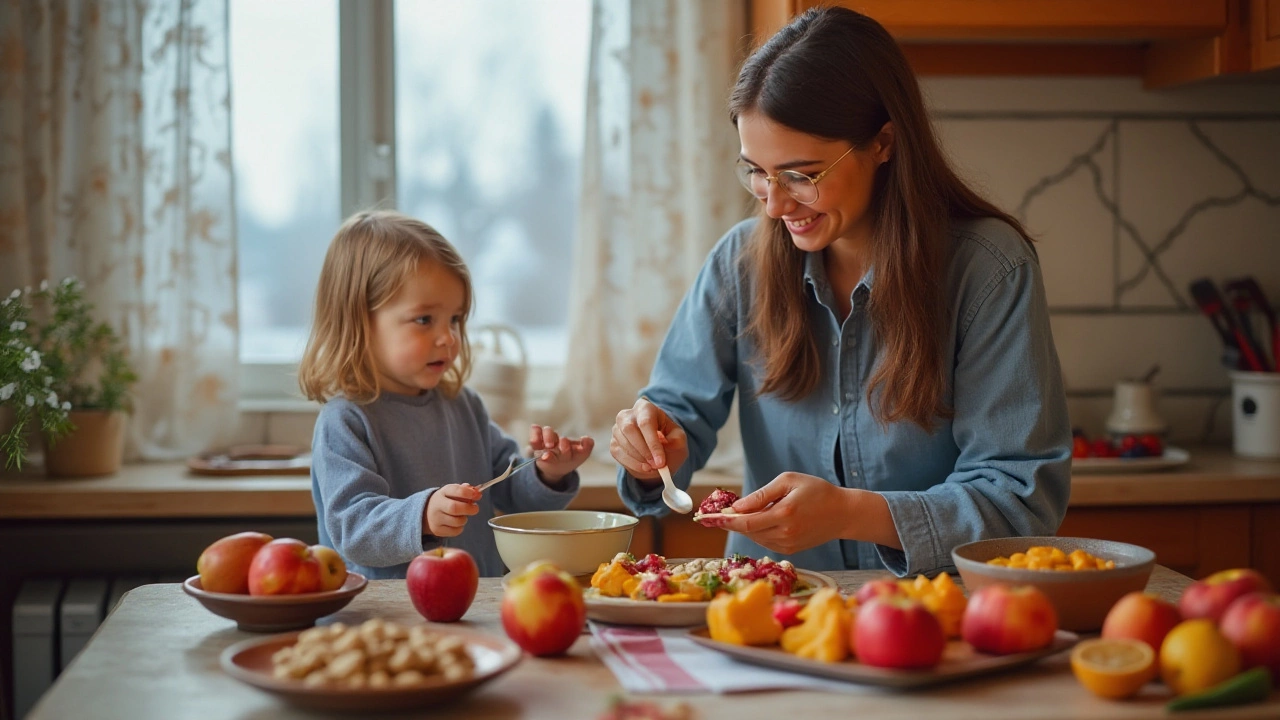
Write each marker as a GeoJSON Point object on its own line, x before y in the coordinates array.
{"type": "Point", "coordinates": [837, 74]}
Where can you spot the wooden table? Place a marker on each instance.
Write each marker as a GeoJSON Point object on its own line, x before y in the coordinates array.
{"type": "Point", "coordinates": [156, 656]}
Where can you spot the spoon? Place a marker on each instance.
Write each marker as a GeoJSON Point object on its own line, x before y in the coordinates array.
{"type": "Point", "coordinates": [674, 497]}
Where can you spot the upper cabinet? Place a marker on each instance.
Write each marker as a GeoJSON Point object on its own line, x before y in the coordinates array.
{"type": "Point", "coordinates": [1166, 42]}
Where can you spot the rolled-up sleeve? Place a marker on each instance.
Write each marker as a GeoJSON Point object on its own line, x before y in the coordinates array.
{"type": "Point", "coordinates": [1012, 476]}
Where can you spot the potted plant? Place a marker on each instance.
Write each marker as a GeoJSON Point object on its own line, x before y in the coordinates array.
{"type": "Point", "coordinates": [26, 383]}
{"type": "Point", "coordinates": [87, 379]}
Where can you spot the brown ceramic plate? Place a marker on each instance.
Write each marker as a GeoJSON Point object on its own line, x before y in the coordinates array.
{"type": "Point", "coordinates": [625, 611]}
{"type": "Point", "coordinates": [274, 613]}
{"type": "Point", "coordinates": [253, 460]}
{"type": "Point", "coordinates": [1081, 597]}
{"type": "Point", "coordinates": [250, 662]}
{"type": "Point", "coordinates": [959, 660]}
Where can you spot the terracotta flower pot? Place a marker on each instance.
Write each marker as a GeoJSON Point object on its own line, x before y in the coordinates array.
{"type": "Point", "coordinates": [94, 447]}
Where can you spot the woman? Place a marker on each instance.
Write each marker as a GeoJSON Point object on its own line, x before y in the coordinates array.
{"type": "Point", "coordinates": [885, 327]}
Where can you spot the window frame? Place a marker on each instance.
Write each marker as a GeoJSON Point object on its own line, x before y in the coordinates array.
{"type": "Point", "coordinates": [367, 173]}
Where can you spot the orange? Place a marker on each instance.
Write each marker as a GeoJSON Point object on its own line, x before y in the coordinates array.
{"type": "Point", "coordinates": [1113, 667]}
{"type": "Point", "coordinates": [1195, 656]}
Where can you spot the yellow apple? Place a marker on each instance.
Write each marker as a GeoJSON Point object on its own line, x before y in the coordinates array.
{"type": "Point", "coordinates": [333, 571]}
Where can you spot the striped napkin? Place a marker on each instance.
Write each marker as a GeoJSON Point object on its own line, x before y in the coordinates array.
{"type": "Point", "coordinates": [665, 660]}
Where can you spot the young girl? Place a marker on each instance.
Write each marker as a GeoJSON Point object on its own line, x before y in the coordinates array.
{"type": "Point", "coordinates": [400, 443]}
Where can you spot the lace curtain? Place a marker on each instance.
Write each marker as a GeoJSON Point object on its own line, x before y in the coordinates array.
{"type": "Point", "coordinates": [115, 168]}
{"type": "Point", "coordinates": [658, 191]}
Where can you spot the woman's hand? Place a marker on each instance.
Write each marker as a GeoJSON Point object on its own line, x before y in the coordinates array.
{"type": "Point", "coordinates": [645, 439]}
{"type": "Point", "coordinates": [557, 456]}
{"type": "Point", "coordinates": [793, 512]}
{"type": "Point", "coordinates": [448, 509]}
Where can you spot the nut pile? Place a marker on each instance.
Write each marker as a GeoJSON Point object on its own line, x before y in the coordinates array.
{"type": "Point", "coordinates": [376, 654]}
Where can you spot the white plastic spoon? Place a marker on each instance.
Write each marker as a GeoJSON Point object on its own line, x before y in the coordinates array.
{"type": "Point", "coordinates": [674, 497]}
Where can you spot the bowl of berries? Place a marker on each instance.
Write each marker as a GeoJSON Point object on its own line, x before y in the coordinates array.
{"type": "Point", "coordinates": [1123, 452]}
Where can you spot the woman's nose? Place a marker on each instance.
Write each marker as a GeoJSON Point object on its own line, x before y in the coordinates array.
{"type": "Point", "coordinates": [778, 203]}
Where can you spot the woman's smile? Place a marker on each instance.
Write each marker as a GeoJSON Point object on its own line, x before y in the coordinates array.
{"type": "Point", "coordinates": [805, 225]}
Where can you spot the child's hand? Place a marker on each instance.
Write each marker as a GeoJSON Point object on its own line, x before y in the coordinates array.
{"type": "Point", "coordinates": [557, 456]}
{"type": "Point", "coordinates": [448, 509]}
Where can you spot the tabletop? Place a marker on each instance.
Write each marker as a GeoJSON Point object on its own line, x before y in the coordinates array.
{"type": "Point", "coordinates": [156, 656]}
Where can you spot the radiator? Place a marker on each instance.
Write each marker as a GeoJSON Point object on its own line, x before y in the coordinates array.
{"type": "Point", "coordinates": [53, 620]}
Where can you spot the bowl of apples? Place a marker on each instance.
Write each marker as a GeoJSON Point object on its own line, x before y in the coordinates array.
{"type": "Point", "coordinates": [271, 585]}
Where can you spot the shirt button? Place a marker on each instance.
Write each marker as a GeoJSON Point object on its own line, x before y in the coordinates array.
{"type": "Point", "coordinates": [848, 396]}
{"type": "Point", "coordinates": [835, 409]}
{"type": "Point", "coordinates": [835, 342]}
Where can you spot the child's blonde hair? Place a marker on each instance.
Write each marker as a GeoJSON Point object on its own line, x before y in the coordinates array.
{"type": "Point", "coordinates": [371, 256]}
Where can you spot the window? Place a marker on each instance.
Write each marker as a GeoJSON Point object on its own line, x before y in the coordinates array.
{"type": "Point", "coordinates": [284, 95]}
{"type": "Point", "coordinates": [489, 103]}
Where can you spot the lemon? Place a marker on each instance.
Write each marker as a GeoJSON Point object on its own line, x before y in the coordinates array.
{"type": "Point", "coordinates": [1113, 667]}
{"type": "Point", "coordinates": [1195, 656]}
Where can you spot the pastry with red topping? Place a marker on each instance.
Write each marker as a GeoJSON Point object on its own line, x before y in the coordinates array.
{"type": "Point", "coordinates": [719, 502]}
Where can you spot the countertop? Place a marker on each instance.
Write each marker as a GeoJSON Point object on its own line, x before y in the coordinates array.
{"type": "Point", "coordinates": [156, 656]}
{"type": "Point", "coordinates": [168, 490]}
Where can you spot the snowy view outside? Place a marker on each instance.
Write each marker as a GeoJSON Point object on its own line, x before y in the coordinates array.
{"type": "Point", "coordinates": [490, 96]}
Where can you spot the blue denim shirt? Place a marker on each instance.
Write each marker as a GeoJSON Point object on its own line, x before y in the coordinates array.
{"type": "Point", "coordinates": [1000, 467]}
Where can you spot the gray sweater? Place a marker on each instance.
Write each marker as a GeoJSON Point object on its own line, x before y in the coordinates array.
{"type": "Point", "coordinates": [374, 466]}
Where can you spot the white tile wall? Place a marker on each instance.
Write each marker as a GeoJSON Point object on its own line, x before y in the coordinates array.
{"type": "Point", "coordinates": [1131, 195]}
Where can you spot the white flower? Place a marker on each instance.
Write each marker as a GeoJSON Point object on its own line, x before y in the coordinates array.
{"type": "Point", "coordinates": [48, 380]}
{"type": "Point", "coordinates": [6, 392]}
{"type": "Point", "coordinates": [15, 342]}
{"type": "Point", "coordinates": [52, 400]}
{"type": "Point", "coordinates": [31, 400]}
{"type": "Point", "coordinates": [15, 294]}
{"type": "Point", "coordinates": [31, 362]}
{"type": "Point", "coordinates": [17, 325]}
{"type": "Point", "coordinates": [27, 290]}
{"type": "Point", "coordinates": [66, 405]}
{"type": "Point", "coordinates": [44, 285]}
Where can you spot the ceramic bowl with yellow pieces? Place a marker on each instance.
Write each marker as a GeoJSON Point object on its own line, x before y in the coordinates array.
{"type": "Point", "coordinates": [576, 541]}
{"type": "Point", "coordinates": [1081, 596]}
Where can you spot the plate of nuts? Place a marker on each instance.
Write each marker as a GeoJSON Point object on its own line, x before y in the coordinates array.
{"type": "Point", "coordinates": [377, 665]}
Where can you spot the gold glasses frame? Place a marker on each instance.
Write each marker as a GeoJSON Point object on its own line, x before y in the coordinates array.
{"type": "Point", "coordinates": [745, 172]}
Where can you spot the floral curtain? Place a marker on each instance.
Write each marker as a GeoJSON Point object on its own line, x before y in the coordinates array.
{"type": "Point", "coordinates": [115, 168]}
{"type": "Point", "coordinates": [658, 192]}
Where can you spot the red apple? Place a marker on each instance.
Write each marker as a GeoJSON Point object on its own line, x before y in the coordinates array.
{"type": "Point", "coordinates": [878, 588]}
{"type": "Point", "coordinates": [1209, 598]}
{"type": "Point", "coordinates": [333, 571]}
{"type": "Point", "coordinates": [897, 632]}
{"type": "Point", "coordinates": [284, 567]}
{"type": "Point", "coordinates": [1252, 624]}
{"type": "Point", "coordinates": [1141, 616]}
{"type": "Point", "coordinates": [542, 609]}
{"type": "Point", "coordinates": [224, 565]}
{"type": "Point", "coordinates": [1002, 620]}
{"type": "Point", "coordinates": [442, 583]}
{"type": "Point", "coordinates": [786, 610]}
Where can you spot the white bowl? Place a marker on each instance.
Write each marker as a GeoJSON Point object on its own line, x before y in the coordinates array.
{"type": "Point", "coordinates": [576, 541]}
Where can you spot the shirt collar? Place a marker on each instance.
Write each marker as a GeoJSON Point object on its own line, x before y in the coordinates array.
{"type": "Point", "coordinates": [815, 274]}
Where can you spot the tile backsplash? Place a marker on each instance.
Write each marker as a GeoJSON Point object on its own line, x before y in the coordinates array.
{"type": "Point", "coordinates": [1130, 195]}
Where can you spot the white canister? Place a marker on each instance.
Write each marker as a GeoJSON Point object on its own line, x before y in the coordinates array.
{"type": "Point", "coordinates": [1255, 411]}
{"type": "Point", "coordinates": [1134, 411]}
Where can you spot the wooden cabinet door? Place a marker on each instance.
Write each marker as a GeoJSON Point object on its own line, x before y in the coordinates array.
{"type": "Point", "coordinates": [1265, 23]}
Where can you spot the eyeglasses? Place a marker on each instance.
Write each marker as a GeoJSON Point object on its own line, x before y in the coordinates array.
{"type": "Point", "coordinates": [802, 188]}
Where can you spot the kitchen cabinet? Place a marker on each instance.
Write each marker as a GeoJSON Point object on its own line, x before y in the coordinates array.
{"type": "Point", "coordinates": [1165, 43]}
{"type": "Point", "coordinates": [1264, 21]}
